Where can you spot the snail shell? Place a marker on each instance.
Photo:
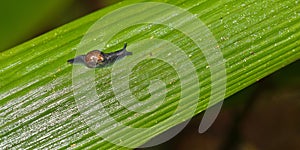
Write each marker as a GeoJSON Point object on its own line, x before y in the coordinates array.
{"type": "Point", "coordinates": [94, 58]}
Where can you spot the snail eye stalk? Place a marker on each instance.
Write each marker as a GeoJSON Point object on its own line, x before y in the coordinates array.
{"type": "Point", "coordinates": [98, 59]}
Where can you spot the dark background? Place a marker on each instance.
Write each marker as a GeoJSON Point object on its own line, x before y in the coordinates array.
{"type": "Point", "coordinates": [262, 116]}
{"type": "Point", "coordinates": [22, 20]}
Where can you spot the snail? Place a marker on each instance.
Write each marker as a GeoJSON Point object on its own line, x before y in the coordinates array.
{"type": "Point", "coordinates": [98, 59]}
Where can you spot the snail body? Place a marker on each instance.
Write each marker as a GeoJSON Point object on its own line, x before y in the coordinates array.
{"type": "Point", "coordinates": [98, 59]}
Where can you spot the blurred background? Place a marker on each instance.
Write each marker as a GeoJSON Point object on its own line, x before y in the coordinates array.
{"type": "Point", "coordinates": [262, 116]}
{"type": "Point", "coordinates": [23, 20]}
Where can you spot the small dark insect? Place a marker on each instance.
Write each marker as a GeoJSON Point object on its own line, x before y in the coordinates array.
{"type": "Point", "coordinates": [98, 59]}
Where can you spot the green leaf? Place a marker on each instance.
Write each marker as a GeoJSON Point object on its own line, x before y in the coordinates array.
{"type": "Point", "coordinates": [38, 107]}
